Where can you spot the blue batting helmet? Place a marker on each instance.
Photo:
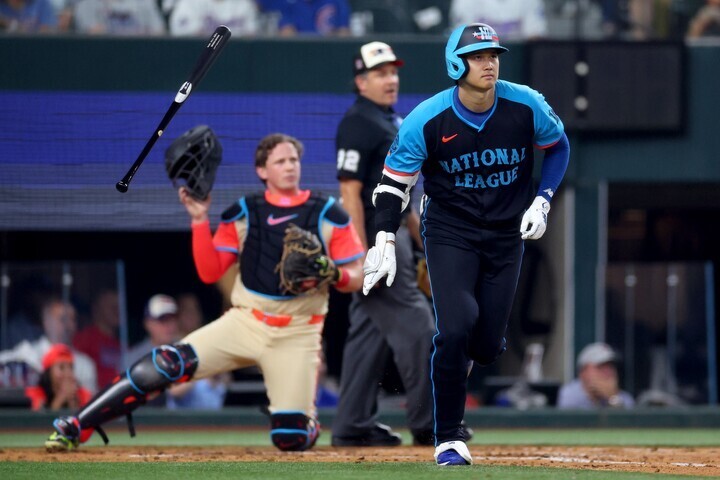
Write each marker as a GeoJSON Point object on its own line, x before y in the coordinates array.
{"type": "Point", "coordinates": [466, 39]}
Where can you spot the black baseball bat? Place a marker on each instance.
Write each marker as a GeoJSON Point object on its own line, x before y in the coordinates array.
{"type": "Point", "coordinates": [217, 41]}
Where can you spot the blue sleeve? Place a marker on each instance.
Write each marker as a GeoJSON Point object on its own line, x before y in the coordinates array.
{"type": "Point", "coordinates": [554, 166]}
{"type": "Point", "coordinates": [409, 150]}
{"type": "Point", "coordinates": [548, 126]}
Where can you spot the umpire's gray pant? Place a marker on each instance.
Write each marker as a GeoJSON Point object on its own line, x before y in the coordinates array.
{"type": "Point", "coordinates": [395, 320]}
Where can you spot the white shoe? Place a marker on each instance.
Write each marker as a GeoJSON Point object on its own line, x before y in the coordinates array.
{"type": "Point", "coordinates": [453, 453]}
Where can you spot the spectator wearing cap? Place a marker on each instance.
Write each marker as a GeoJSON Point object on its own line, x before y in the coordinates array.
{"type": "Point", "coordinates": [597, 382]}
{"type": "Point", "coordinates": [390, 321]}
{"type": "Point", "coordinates": [58, 388]}
{"type": "Point", "coordinates": [59, 322]}
{"type": "Point", "coordinates": [161, 325]}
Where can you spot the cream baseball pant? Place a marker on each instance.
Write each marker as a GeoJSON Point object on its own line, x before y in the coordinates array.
{"type": "Point", "coordinates": [288, 356]}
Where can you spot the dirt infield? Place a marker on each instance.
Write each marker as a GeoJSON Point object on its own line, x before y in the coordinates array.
{"type": "Point", "coordinates": [678, 461]}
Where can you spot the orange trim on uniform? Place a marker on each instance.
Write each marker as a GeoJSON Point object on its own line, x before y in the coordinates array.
{"type": "Point", "coordinates": [396, 172]}
{"type": "Point", "coordinates": [282, 320]}
{"type": "Point", "coordinates": [345, 243]}
{"type": "Point", "coordinates": [285, 201]}
{"type": "Point", "coordinates": [272, 320]}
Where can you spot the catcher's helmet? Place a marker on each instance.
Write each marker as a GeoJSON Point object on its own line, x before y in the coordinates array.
{"type": "Point", "coordinates": [466, 39]}
{"type": "Point", "coordinates": [192, 160]}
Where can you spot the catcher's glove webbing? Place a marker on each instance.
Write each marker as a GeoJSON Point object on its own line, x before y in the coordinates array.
{"type": "Point", "coordinates": [192, 160]}
{"type": "Point", "coordinates": [303, 267]}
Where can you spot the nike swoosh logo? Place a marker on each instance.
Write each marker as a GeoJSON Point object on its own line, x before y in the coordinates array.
{"type": "Point", "coordinates": [272, 221]}
{"type": "Point", "coordinates": [447, 139]}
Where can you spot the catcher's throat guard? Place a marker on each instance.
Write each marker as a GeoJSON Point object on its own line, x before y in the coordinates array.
{"type": "Point", "coordinates": [192, 160]}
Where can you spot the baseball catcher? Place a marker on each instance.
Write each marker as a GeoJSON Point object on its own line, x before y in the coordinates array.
{"type": "Point", "coordinates": [279, 298]}
{"type": "Point", "coordinates": [303, 268]}
{"type": "Point", "coordinates": [192, 159]}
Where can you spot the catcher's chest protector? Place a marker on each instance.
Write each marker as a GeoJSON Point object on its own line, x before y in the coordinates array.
{"type": "Point", "coordinates": [263, 246]}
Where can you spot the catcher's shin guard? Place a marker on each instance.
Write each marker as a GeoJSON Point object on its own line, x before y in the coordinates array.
{"type": "Point", "coordinates": [293, 431]}
{"type": "Point", "coordinates": [153, 373]}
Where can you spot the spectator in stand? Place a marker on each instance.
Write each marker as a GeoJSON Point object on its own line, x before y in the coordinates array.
{"type": "Point", "coordinates": [511, 19]}
{"type": "Point", "coordinates": [99, 340]}
{"type": "Point", "coordinates": [119, 17]}
{"type": "Point", "coordinates": [161, 325]}
{"type": "Point", "coordinates": [597, 383]}
{"type": "Point", "coordinates": [25, 302]}
{"type": "Point", "coordinates": [27, 16]}
{"type": "Point", "coordinates": [59, 320]}
{"type": "Point", "coordinates": [318, 17]}
{"type": "Point", "coordinates": [201, 17]}
{"type": "Point", "coordinates": [706, 22]}
{"type": "Point", "coordinates": [58, 388]}
{"type": "Point", "coordinates": [65, 11]}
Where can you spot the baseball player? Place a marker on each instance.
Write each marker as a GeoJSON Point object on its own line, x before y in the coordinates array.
{"type": "Point", "coordinates": [474, 145]}
{"type": "Point", "coordinates": [266, 326]}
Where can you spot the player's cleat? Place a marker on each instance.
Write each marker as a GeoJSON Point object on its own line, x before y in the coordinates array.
{"type": "Point", "coordinates": [452, 453]}
{"type": "Point", "coordinates": [66, 436]}
{"type": "Point", "coordinates": [380, 436]}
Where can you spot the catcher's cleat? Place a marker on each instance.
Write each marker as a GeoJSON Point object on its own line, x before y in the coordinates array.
{"type": "Point", "coordinates": [60, 443]}
{"type": "Point", "coordinates": [66, 436]}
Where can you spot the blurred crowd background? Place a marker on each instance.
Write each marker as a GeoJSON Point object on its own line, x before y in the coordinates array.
{"type": "Point", "coordinates": [513, 19]}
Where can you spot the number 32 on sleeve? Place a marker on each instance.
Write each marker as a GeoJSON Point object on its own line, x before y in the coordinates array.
{"type": "Point", "coordinates": [348, 160]}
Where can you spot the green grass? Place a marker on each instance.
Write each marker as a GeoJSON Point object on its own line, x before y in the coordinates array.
{"type": "Point", "coordinates": [243, 437]}
{"type": "Point", "coordinates": [269, 470]}
{"type": "Point", "coordinates": [301, 471]}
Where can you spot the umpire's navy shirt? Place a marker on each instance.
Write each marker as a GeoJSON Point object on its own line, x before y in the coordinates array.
{"type": "Point", "coordinates": [480, 170]}
{"type": "Point", "coordinates": [363, 139]}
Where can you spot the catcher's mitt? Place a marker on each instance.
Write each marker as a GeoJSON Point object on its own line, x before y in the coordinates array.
{"type": "Point", "coordinates": [303, 267]}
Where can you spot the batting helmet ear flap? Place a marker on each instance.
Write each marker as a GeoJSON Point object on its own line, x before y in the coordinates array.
{"type": "Point", "coordinates": [456, 66]}
{"type": "Point", "coordinates": [192, 160]}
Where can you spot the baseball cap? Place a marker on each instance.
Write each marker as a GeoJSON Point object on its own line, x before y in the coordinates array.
{"type": "Point", "coordinates": [57, 353]}
{"type": "Point", "coordinates": [160, 305]}
{"type": "Point", "coordinates": [596, 354]}
{"type": "Point", "coordinates": [373, 55]}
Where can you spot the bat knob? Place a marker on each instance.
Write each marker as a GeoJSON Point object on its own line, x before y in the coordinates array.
{"type": "Point", "coordinates": [121, 186]}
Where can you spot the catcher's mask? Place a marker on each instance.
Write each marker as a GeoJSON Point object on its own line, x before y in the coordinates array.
{"type": "Point", "coordinates": [192, 160]}
{"type": "Point", "coordinates": [466, 39]}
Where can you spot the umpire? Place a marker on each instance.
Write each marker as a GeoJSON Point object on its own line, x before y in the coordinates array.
{"type": "Point", "coordinates": [395, 320]}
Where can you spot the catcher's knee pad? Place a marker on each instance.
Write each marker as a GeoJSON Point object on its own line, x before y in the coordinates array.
{"type": "Point", "coordinates": [162, 366]}
{"type": "Point", "coordinates": [152, 373]}
{"type": "Point", "coordinates": [293, 431]}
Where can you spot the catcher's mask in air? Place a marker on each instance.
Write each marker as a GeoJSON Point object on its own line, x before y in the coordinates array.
{"type": "Point", "coordinates": [192, 159]}
{"type": "Point", "coordinates": [466, 39]}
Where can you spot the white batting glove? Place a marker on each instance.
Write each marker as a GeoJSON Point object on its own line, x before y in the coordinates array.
{"type": "Point", "coordinates": [380, 261]}
{"type": "Point", "coordinates": [534, 221]}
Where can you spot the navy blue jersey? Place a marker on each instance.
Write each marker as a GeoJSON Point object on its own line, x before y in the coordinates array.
{"type": "Point", "coordinates": [482, 172]}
